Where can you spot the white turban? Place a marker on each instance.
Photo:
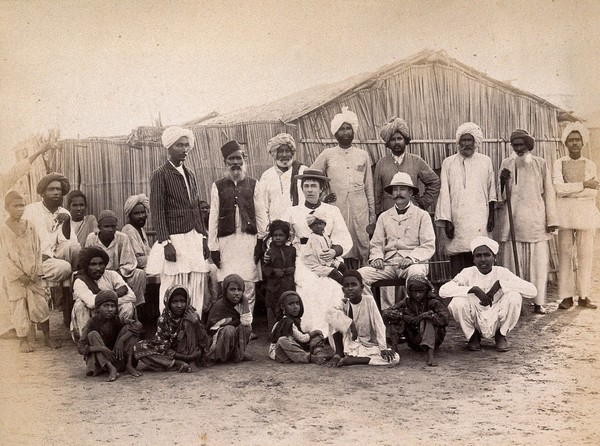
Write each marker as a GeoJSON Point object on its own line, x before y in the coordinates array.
{"type": "Point", "coordinates": [345, 116]}
{"type": "Point", "coordinates": [283, 139]}
{"type": "Point", "coordinates": [484, 241]}
{"type": "Point", "coordinates": [472, 129]}
{"type": "Point", "coordinates": [172, 134]}
{"type": "Point", "coordinates": [575, 127]}
{"type": "Point", "coordinates": [318, 214]}
{"type": "Point", "coordinates": [133, 201]}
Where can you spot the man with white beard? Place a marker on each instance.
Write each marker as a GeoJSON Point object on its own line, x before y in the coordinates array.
{"type": "Point", "coordinates": [237, 222]}
{"type": "Point", "coordinates": [527, 180]}
{"type": "Point", "coordinates": [278, 189]}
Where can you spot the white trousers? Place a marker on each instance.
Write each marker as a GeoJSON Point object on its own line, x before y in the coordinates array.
{"type": "Point", "coordinates": [583, 241]}
{"type": "Point", "coordinates": [534, 263]}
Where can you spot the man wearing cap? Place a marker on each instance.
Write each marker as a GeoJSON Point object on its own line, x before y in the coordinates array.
{"type": "Point", "coordinates": [60, 248]}
{"type": "Point", "coordinates": [526, 180]}
{"type": "Point", "coordinates": [403, 238]}
{"type": "Point", "coordinates": [396, 136]}
{"type": "Point", "coordinates": [121, 257]}
{"type": "Point", "coordinates": [465, 207]}
{"type": "Point", "coordinates": [486, 299]}
{"type": "Point", "coordinates": [349, 169]}
{"type": "Point", "coordinates": [237, 221]}
{"type": "Point", "coordinates": [279, 190]}
{"type": "Point", "coordinates": [576, 183]}
{"type": "Point", "coordinates": [180, 250]}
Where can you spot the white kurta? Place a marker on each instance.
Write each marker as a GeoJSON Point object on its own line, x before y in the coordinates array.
{"type": "Point", "coordinates": [318, 293]}
{"type": "Point", "coordinates": [506, 307]}
{"type": "Point", "coordinates": [237, 249]}
{"type": "Point", "coordinates": [467, 188]}
{"type": "Point", "coordinates": [352, 182]}
{"type": "Point", "coordinates": [275, 185]}
{"type": "Point", "coordinates": [50, 233]}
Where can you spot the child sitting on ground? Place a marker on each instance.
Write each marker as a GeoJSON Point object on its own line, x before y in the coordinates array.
{"type": "Point", "coordinates": [421, 317]}
{"type": "Point", "coordinates": [21, 262]}
{"type": "Point", "coordinates": [180, 340]}
{"type": "Point", "coordinates": [318, 244]}
{"type": "Point", "coordinates": [230, 323]}
{"type": "Point", "coordinates": [288, 342]}
{"type": "Point", "coordinates": [107, 340]}
{"type": "Point", "coordinates": [358, 332]}
{"type": "Point", "coordinates": [278, 268]}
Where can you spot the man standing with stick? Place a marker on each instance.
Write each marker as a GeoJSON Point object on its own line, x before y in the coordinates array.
{"type": "Point", "coordinates": [530, 214]}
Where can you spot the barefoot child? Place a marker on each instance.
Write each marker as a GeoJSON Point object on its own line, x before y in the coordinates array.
{"type": "Point", "coordinates": [317, 245]}
{"type": "Point", "coordinates": [288, 342]}
{"type": "Point", "coordinates": [107, 339]}
{"type": "Point", "coordinates": [21, 262]}
{"type": "Point", "coordinates": [180, 339]}
{"type": "Point", "coordinates": [421, 317]}
{"type": "Point", "coordinates": [358, 330]}
{"type": "Point", "coordinates": [278, 268]}
{"type": "Point", "coordinates": [230, 323]}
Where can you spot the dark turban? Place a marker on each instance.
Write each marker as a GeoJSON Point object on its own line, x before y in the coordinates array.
{"type": "Point", "coordinates": [106, 296]}
{"type": "Point", "coordinates": [392, 126]}
{"type": "Point", "coordinates": [525, 136]}
{"type": "Point", "coordinates": [87, 254]}
{"type": "Point", "coordinates": [54, 176]}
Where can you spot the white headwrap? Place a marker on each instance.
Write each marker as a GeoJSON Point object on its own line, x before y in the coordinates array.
{"type": "Point", "coordinates": [318, 214]}
{"type": "Point", "coordinates": [345, 116]}
{"type": "Point", "coordinates": [484, 241]}
{"type": "Point", "coordinates": [575, 127]}
{"type": "Point", "coordinates": [172, 134]}
{"type": "Point", "coordinates": [283, 139]}
{"type": "Point", "coordinates": [472, 129]}
{"type": "Point", "coordinates": [133, 201]}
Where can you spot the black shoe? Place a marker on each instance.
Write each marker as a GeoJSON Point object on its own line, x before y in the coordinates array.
{"type": "Point", "coordinates": [538, 309]}
{"type": "Point", "coordinates": [585, 302]}
{"type": "Point", "coordinates": [474, 343]}
{"type": "Point", "coordinates": [566, 303]}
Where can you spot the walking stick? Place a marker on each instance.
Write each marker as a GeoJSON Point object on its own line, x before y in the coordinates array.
{"type": "Point", "coordinates": [511, 226]}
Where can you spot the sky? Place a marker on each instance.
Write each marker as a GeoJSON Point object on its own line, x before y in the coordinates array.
{"type": "Point", "coordinates": [103, 68]}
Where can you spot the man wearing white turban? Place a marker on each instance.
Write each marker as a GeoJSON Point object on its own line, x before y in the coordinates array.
{"type": "Point", "coordinates": [396, 136]}
{"type": "Point", "coordinates": [279, 191]}
{"type": "Point", "coordinates": [576, 184]}
{"type": "Point", "coordinates": [465, 207]}
{"type": "Point", "coordinates": [486, 299]}
{"type": "Point", "coordinates": [180, 252]}
{"type": "Point", "coordinates": [349, 169]}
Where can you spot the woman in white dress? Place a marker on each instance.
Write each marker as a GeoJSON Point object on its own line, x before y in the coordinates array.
{"type": "Point", "coordinates": [318, 293]}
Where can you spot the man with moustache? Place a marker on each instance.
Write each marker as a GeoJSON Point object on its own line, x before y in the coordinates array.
{"type": "Point", "coordinates": [279, 189]}
{"type": "Point", "coordinates": [527, 181]}
{"type": "Point", "coordinates": [576, 182]}
{"type": "Point", "coordinates": [403, 237]}
{"type": "Point", "coordinates": [465, 207]}
{"type": "Point", "coordinates": [237, 222]}
{"type": "Point", "coordinates": [396, 135]}
{"type": "Point", "coordinates": [180, 250]}
{"type": "Point", "coordinates": [349, 169]}
{"type": "Point", "coordinates": [136, 210]}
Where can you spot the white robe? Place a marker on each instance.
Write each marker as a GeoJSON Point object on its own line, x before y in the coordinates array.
{"type": "Point", "coordinates": [275, 185]}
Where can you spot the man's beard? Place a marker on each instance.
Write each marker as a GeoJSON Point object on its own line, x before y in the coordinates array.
{"type": "Point", "coordinates": [524, 160]}
{"type": "Point", "coordinates": [284, 164]}
{"type": "Point", "coordinates": [235, 173]}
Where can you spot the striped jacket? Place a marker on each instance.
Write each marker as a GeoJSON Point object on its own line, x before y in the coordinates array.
{"type": "Point", "coordinates": [171, 209]}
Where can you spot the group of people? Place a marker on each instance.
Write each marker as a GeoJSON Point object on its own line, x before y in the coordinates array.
{"type": "Point", "coordinates": [319, 236]}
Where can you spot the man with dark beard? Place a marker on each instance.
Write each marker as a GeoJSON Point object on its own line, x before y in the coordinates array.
{"type": "Point", "coordinates": [136, 210]}
{"type": "Point", "coordinates": [237, 222]}
{"type": "Point", "coordinates": [349, 169]}
{"type": "Point", "coordinates": [279, 189]}
{"type": "Point", "coordinates": [403, 238]}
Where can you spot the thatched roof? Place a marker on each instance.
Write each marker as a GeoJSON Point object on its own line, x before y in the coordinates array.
{"type": "Point", "coordinates": [290, 108]}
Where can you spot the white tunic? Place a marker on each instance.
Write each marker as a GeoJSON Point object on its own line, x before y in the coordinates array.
{"type": "Point", "coordinates": [275, 185]}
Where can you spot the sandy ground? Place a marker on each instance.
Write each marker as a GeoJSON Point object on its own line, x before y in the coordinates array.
{"type": "Point", "coordinates": [544, 391]}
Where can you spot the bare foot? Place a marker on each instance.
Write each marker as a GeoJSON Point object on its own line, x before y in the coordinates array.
{"type": "Point", "coordinates": [184, 367]}
{"type": "Point", "coordinates": [342, 362]}
{"type": "Point", "coordinates": [112, 375]}
{"type": "Point", "coordinates": [51, 343]}
{"type": "Point", "coordinates": [431, 362]}
{"type": "Point", "coordinates": [133, 371]}
{"type": "Point", "coordinates": [317, 359]}
{"type": "Point", "coordinates": [333, 362]}
{"type": "Point", "coordinates": [25, 347]}
{"type": "Point", "coordinates": [193, 367]}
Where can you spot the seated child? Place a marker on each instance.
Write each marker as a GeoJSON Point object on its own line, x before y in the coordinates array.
{"type": "Point", "coordinates": [107, 340]}
{"type": "Point", "coordinates": [421, 317]}
{"type": "Point", "coordinates": [278, 268]}
{"type": "Point", "coordinates": [122, 258]}
{"type": "Point", "coordinates": [317, 244]}
{"type": "Point", "coordinates": [288, 342]}
{"type": "Point", "coordinates": [358, 332]}
{"type": "Point", "coordinates": [180, 340]}
{"type": "Point", "coordinates": [21, 262]}
{"type": "Point", "coordinates": [229, 325]}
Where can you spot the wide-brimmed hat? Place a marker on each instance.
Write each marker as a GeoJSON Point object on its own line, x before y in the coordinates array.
{"type": "Point", "coordinates": [401, 179]}
{"type": "Point", "coordinates": [312, 174]}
